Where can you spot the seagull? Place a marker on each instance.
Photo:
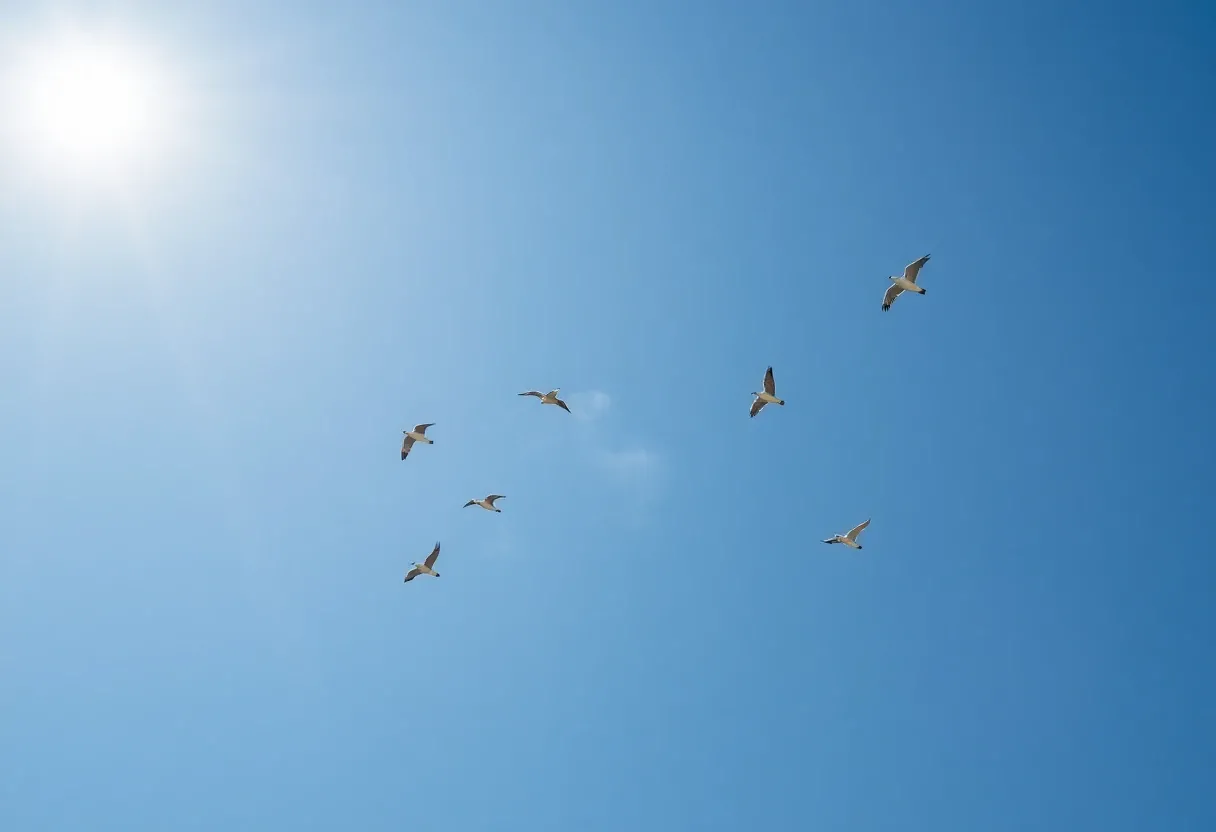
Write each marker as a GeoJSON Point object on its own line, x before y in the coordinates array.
{"type": "Point", "coordinates": [418, 434]}
{"type": "Point", "coordinates": [424, 568]}
{"type": "Point", "coordinates": [487, 503]}
{"type": "Point", "coordinates": [908, 282]}
{"type": "Point", "coordinates": [548, 398]}
{"type": "Point", "coordinates": [768, 395]}
{"type": "Point", "coordinates": [849, 539]}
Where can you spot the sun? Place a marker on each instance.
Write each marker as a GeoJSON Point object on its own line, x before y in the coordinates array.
{"type": "Point", "coordinates": [90, 104]}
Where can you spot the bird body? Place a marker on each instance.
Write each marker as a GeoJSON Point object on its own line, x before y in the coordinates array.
{"type": "Point", "coordinates": [418, 434]}
{"type": "Point", "coordinates": [768, 395]}
{"type": "Point", "coordinates": [427, 567]}
{"type": "Point", "coordinates": [487, 503]}
{"type": "Point", "coordinates": [907, 285]}
{"type": "Point", "coordinates": [849, 539]}
{"type": "Point", "coordinates": [548, 398]}
{"type": "Point", "coordinates": [904, 283]}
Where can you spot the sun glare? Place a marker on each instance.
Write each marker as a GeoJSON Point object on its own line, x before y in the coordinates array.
{"type": "Point", "coordinates": [89, 105]}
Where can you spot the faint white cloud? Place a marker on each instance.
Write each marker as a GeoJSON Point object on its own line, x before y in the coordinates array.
{"type": "Point", "coordinates": [638, 475]}
{"type": "Point", "coordinates": [632, 462]}
{"type": "Point", "coordinates": [590, 405]}
{"type": "Point", "coordinates": [626, 461]}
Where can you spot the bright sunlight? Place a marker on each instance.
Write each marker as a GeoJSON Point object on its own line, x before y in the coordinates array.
{"type": "Point", "coordinates": [89, 104]}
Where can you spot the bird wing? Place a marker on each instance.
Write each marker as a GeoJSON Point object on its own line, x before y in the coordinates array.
{"type": "Point", "coordinates": [757, 405]}
{"type": "Point", "coordinates": [413, 573]}
{"type": "Point", "coordinates": [893, 292]}
{"type": "Point", "coordinates": [432, 557]}
{"type": "Point", "coordinates": [553, 393]}
{"type": "Point", "coordinates": [469, 503]}
{"type": "Point", "coordinates": [422, 428]}
{"type": "Point", "coordinates": [769, 386]}
{"type": "Point", "coordinates": [913, 269]}
{"type": "Point", "coordinates": [533, 393]}
{"type": "Point", "coordinates": [831, 540]}
{"type": "Point", "coordinates": [406, 445]}
{"type": "Point", "coordinates": [494, 497]}
{"type": "Point", "coordinates": [852, 535]}
{"type": "Point", "coordinates": [561, 404]}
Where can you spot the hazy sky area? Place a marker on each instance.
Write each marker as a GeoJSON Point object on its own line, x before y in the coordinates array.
{"type": "Point", "coordinates": [244, 245]}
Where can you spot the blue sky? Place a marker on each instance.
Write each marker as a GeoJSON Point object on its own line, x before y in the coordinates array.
{"type": "Point", "coordinates": [388, 213]}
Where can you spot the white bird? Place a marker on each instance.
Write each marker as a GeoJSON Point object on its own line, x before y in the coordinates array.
{"type": "Point", "coordinates": [906, 282]}
{"type": "Point", "coordinates": [424, 568]}
{"type": "Point", "coordinates": [418, 434]}
{"type": "Point", "coordinates": [768, 396]}
{"type": "Point", "coordinates": [487, 503]}
{"type": "Point", "coordinates": [548, 398]}
{"type": "Point", "coordinates": [849, 539]}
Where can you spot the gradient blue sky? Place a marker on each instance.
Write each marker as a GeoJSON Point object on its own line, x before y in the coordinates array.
{"type": "Point", "coordinates": [389, 213]}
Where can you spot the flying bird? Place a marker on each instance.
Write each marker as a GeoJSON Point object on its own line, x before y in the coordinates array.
{"type": "Point", "coordinates": [849, 539]}
{"type": "Point", "coordinates": [424, 568]}
{"type": "Point", "coordinates": [418, 434]}
{"type": "Point", "coordinates": [548, 398]}
{"type": "Point", "coordinates": [487, 503]}
{"type": "Point", "coordinates": [768, 396]}
{"type": "Point", "coordinates": [906, 282]}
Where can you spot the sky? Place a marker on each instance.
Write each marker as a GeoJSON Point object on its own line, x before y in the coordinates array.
{"type": "Point", "coordinates": [372, 214]}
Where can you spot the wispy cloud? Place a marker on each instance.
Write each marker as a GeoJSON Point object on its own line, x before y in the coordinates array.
{"type": "Point", "coordinates": [639, 476]}
{"type": "Point", "coordinates": [630, 463]}
{"type": "Point", "coordinates": [626, 461]}
{"type": "Point", "coordinates": [589, 406]}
